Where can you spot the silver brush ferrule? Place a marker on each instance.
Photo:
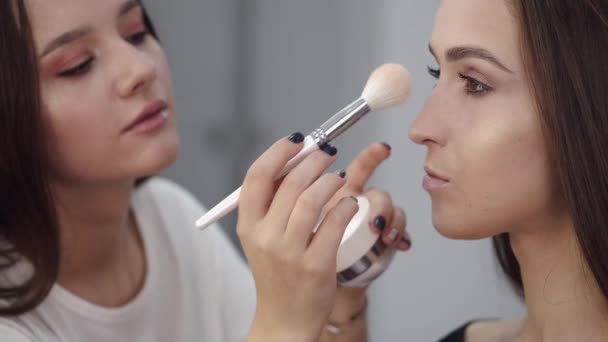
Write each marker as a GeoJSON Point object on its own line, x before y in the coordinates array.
{"type": "Point", "coordinates": [340, 122]}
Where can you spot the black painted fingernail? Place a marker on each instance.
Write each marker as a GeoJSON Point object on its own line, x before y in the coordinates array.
{"type": "Point", "coordinates": [355, 199]}
{"type": "Point", "coordinates": [327, 148]}
{"type": "Point", "coordinates": [407, 240]}
{"type": "Point", "coordinates": [387, 146]}
{"type": "Point", "coordinates": [342, 174]}
{"type": "Point", "coordinates": [296, 138]}
{"type": "Point", "coordinates": [380, 222]}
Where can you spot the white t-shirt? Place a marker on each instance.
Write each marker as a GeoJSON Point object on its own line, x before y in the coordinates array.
{"type": "Point", "coordinates": [197, 287]}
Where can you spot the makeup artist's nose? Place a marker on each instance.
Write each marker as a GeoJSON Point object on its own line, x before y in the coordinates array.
{"type": "Point", "coordinates": [136, 72]}
{"type": "Point", "coordinates": [428, 126]}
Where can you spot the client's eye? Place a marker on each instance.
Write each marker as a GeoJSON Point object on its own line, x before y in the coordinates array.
{"type": "Point", "coordinates": [473, 86]}
{"type": "Point", "coordinates": [435, 73]}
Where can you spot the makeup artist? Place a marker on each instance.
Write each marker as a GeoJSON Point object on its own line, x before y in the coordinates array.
{"type": "Point", "coordinates": [94, 249]}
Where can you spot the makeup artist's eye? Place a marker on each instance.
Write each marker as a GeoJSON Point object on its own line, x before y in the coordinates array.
{"type": "Point", "coordinates": [138, 38]}
{"type": "Point", "coordinates": [435, 73]}
{"type": "Point", "coordinates": [78, 70]}
{"type": "Point", "coordinates": [473, 86]}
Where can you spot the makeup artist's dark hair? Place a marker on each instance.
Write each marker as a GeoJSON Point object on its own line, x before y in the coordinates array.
{"type": "Point", "coordinates": [28, 221]}
{"type": "Point", "coordinates": [565, 52]}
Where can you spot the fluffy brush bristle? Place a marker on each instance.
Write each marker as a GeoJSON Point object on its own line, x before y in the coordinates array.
{"type": "Point", "coordinates": [389, 85]}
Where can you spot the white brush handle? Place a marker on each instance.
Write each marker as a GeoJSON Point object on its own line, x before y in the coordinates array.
{"type": "Point", "coordinates": [230, 203]}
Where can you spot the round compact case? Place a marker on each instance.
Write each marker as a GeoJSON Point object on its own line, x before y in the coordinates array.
{"type": "Point", "coordinates": [362, 256]}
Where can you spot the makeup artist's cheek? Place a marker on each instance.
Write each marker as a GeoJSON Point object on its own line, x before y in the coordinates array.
{"type": "Point", "coordinates": [69, 117]}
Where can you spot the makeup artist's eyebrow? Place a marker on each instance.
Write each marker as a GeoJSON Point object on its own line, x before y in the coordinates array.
{"type": "Point", "coordinates": [461, 52]}
{"type": "Point", "coordinates": [78, 33]}
{"type": "Point", "coordinates": [66, 38]}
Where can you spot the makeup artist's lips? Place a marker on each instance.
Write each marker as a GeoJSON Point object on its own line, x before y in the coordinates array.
{"type": "Point", "coordinates": [152, 117]}
{"type": "Point", "coordinates": [432, 181]}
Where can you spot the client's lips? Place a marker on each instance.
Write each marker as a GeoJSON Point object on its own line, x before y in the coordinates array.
{"type": "Point", "coordinates": [433, 181]}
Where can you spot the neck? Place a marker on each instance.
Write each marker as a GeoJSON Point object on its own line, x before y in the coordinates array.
{"type": "Point", "coordinates": [101, 254]}
{"type": "Point", "coordinates": [563, 300]}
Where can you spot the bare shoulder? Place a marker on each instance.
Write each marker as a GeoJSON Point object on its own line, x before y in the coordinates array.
{"type": "Point", "coordinates": [495, 331]}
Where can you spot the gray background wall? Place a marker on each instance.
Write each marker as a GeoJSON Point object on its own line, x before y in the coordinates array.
{"type": "Point", "coordinates": [247, 72]}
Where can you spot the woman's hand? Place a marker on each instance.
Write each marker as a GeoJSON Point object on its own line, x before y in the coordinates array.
{"type": "Point", "coordinates": [294, 271]}
{"type": "Point", "coordinates": [385, 219]}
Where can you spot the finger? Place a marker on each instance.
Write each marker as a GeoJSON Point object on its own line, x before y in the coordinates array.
{"type": "Point", "coordinates": [392, 234]}
{"type": "Point", "coordinates": [295, 183]}
{"type": "Point", "coordinates": [307, 210]}
{"type": "Point", "coordinates": [381, 210]}
{"type": "Point", "coordinates": [259, 184]}
{"type": "Point", "coordinates": [325, 243]}
{"type": "Point", "coordinates": [363, 166]}
{"type": "Point", "coordinates": [405, 244]}
{"type": "Point", "coordinates": [399, 223]}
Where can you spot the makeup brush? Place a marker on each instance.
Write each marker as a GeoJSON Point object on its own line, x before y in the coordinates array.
{"type": "Point", "coordinates": [387, 86]}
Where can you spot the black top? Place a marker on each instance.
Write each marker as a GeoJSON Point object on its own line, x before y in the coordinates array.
{"type": "Point", "coordinates": [457, 335]}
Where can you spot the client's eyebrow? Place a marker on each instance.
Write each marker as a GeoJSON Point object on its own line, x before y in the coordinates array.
{"type": "Point", "coordinates": [78, 33]}
{"type": "Point", "coordinates": [460, 52]}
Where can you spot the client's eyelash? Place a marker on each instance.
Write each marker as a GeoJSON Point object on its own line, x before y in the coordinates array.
{"type": "Point", "coordinates": [473, 86]}
{"type": "Point", "coordinates": [435, 73]}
